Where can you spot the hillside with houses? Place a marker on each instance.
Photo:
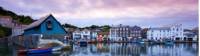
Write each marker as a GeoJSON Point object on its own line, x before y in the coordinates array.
{"type": "Point", "coordinates": [10, 20]}
{"type": "Point", "coordinates": [12, 23]}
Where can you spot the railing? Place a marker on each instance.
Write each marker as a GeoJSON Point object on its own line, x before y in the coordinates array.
{"type": "Point", "coordinates": [32, 41]}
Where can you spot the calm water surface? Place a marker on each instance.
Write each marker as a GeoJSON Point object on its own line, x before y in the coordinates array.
{"type": "Point", "coordinates": [116, 49]}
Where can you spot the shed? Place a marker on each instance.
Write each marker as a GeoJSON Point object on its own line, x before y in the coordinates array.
{"type": "Point", "coordinates": [48, 26]}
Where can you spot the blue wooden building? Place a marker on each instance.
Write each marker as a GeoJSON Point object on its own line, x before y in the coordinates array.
{"type": "Point", "coordinates": [48, 26]}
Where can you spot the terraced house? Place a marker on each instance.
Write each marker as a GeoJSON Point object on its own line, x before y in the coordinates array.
{"type": "Point", "coordinates": [173, 32]}
{"type": "Point", "coordinates": [124, 32]}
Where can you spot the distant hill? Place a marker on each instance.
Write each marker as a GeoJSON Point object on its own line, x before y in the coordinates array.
{"type": "Point", "coordinates": [104, 28]}
{"type": "Point", "coordinates": [69, 26]}
{"type": "Point", "coordinates": [19, 18]}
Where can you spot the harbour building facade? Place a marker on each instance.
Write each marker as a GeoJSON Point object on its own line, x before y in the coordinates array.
{"type": "Point", "coordinates": [119, 32]}
{"type": "Point", "coordinates": [124, 32]}
{"type": "Point", "coordinates": [173, 32]}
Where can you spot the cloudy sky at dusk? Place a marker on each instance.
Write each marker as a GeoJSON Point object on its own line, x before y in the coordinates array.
{"type": "Point", "coordinates": [82, 13]}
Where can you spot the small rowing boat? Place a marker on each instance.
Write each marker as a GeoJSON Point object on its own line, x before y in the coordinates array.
{"type": "Point", "coordinates": [36, 50]}
{"type": "Point", "coordinates": [39, 50]}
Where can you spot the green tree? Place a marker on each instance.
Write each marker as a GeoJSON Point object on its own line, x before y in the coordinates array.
{"type": "Point", "coordinates": [2, 34]}
{"type": "Point", "coordinates": [4, 31]}
{"type": "Point", "coordinates": [93, 27]}
{"type": "Point", "coordinates": [106, 28]}
{"type": "Point", "coordinates": [69, 26]}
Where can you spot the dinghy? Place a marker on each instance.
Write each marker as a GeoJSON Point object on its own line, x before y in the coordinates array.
{"type": "Point", "coordinates": [169, 42]}
{"type": "Point", "coordinates": [83, 42]}
{"type": "Point", "coordinates": [39, 50]}
{"type": "Point", "coordinates": [36, 50]}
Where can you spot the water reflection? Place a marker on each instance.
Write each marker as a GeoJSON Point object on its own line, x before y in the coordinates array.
{"type": "Point", "coordinates": [4, 50]}
{"type": "Point", "coordinates": [172, 50]}
{"type": "Point", "coordinates": [120, 49]}
{"type": "Point", "coordinates": [130, 49]}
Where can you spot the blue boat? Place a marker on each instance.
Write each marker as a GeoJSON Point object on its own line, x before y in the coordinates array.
{"type": "Point", "coordinates": [39, 54]}
{"type": "Point", "coordinates": [83, 42]}
{"type": "Point", "coordinates": [139, 41]}
{"type": "Point", "coordinates": [168, 42]}
{"type": "Point", "coordinates": [39, 50]}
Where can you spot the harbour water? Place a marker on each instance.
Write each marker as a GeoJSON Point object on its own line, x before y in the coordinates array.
{"type": "Point", "coordinates": [115, 49]}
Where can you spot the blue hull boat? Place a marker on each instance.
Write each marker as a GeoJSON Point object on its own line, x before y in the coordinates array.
{"type": "Point", "coordinates": [169, 42]}
{"type": "Point", "coordinates": [39, 54]}
{"type": "Point", "coordinates": [40, 50]}
{"type": "Point", "coordinates": [83, 43]}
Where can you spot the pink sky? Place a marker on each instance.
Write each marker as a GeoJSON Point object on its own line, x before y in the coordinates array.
{"type": "Point", "coordinates": [82, 13]}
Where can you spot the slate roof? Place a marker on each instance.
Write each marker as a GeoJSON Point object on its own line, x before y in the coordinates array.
{"type": "Point", "coordinates": [160, 28]}
{"type": "Point", "coordinates": [136, 28]}
{"type": "Point", "coordinates": [77, 31]}
{"type": "Point", "coordinates": [37, 23]}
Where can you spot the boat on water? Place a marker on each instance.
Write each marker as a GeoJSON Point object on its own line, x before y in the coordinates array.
{"type": "Point", "coordinates": [139, 40]}
{"type": "Point", "coordinates": [44, 46]}
{"type": "Point", "coordinates": [83, 42]}
{"type": "Point", "coordinates": [36, 54]}
{"type": "Point", "coordinates": [168, 42]}
{"type": "Point", "coordinates": [152, 42]}
{"type": "Point", "coordinates": [35, 50]}
{"type": "Point", "coordinates": [39, 50]}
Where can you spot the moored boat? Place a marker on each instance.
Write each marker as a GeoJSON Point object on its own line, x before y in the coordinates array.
{"type": "Point", "coordinates": [39, 50]}
{"type": "Point", "coordinates": [36, 50]}
{"type": "Point", "coordinates": [83, 42]}
{"type": "Point", "coordinates": [169, 42]}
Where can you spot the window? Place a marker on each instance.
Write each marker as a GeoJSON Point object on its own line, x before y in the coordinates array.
{"type": "Point", "coordinates": [49, 25]}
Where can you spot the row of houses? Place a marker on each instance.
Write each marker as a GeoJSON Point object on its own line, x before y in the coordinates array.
{"type": "Point", "coordinates": [172, 32]}
{"type": "Point", "coordinates": [49, 27]}
{"type": "Point", "coordinates": [90, 35]}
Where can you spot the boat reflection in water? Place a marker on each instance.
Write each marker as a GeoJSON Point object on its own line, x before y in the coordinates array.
{"type": "Point", "coordinates": [127, 49]}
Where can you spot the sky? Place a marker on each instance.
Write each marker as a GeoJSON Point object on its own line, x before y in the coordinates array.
{"type": "Point", "coordinates": [81, 13]}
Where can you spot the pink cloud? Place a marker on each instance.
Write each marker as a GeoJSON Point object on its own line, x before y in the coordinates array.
{"type": "Point", "coordinates": [117, 10]}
